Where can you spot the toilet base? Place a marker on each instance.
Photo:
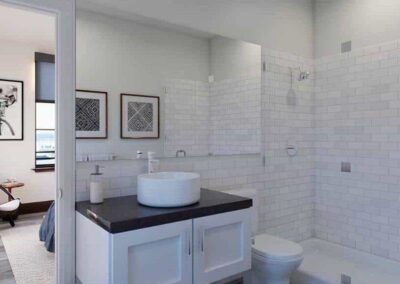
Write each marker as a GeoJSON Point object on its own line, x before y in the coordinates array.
{"type": "Point", "coordinates": [275, 272]}
{"type": "Point", "coordinates": [256, 279]}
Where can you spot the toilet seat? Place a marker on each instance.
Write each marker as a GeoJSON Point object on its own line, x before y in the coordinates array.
{"type": "Point", "coordinates": [273, 248]}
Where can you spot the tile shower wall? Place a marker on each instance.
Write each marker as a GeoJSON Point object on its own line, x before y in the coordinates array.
{"type": "Point", "coordinates": [287, 195]}
{"type": "Point", "coordinates": [235, 115]}
{"type": "Point", "coordinates": [357, 120]}
{"type": "Point", "coordinates": [221, 118]}
{"type": "Point", "coordinates": [186, 117]}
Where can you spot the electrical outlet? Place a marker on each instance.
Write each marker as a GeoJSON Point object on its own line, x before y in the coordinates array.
{"type": "Point", "coordinates": [346, 46]}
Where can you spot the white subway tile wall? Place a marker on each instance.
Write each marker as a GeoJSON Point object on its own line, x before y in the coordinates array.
{"type": "Point", "coordinates": [288, 192]}
{"type": "Point", "coordinates": [357, 120]}
{"type": "Point", "coordinates": [187, 117]}
{"type": "Point", "coordinates": [220, 118]}
{"type": "Point", "coordinates": [219, 173]}
{"type": "Point", "coordinates": [235, 111]}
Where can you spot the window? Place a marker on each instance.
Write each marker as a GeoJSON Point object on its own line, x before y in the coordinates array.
{"type": "Point", "coordinates": [45, 133]}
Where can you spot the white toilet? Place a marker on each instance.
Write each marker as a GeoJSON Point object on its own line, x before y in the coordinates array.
{"type": "Point", "coordinates": [273, 259]}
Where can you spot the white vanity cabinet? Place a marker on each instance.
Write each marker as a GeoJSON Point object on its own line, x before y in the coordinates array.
{"type": "Point", "coordinates": [222, 246]}
{"type": "Point", "coordinates": [200, 250]}
{"type": "Point", "coordinates": [160, 254]}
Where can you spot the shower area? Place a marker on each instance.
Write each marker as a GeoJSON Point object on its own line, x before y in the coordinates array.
{"type": "Point", "coordinates": [331, 142]}
{"type": "Point", "coordinates": [331, 138]}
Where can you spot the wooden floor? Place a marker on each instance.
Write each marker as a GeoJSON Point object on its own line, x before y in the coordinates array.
{"type": "Point", "coordinates": [6, 274]}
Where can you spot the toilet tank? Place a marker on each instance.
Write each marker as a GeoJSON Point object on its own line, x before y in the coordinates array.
{"type": "Point", "coordinates": [249, 193]}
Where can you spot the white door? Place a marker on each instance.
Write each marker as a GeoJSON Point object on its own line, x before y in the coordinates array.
{"type": "Point", "coordinates": [155, 255]}
{"type": "Point", "coordinates": [222, 245]}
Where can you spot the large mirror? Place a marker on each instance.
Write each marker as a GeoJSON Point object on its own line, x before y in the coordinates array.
{"type": "Point", "coordinates": [154, 88]}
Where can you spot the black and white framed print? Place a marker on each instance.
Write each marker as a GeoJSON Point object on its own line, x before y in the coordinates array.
{"type": "Point", "coordinates": [11, 110]}
{"type": "Point", "coordinates": [140, 116]}
{"type": "Point", "coordinates": [91, 114]}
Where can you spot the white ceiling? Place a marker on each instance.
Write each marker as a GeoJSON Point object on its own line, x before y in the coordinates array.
{"type": "Point", "coordinates": [25, 26]}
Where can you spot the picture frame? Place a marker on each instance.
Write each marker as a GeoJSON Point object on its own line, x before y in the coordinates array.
{"type": "Point", "coordinates": [139, 116]}
{"type": "Point", "coordinates": [11, 110]}
{"type": "Point", "coordinates": [91, 114]}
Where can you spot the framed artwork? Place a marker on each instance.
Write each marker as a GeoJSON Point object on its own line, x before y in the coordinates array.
{"type": "Point", "coordinates": [140, 117]}
{"type": "Point", "coordinates": [91, 114]}
{"type": "Point", "coordinates": [11, 110]}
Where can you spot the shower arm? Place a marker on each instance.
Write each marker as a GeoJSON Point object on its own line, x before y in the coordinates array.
{"type": "Point", "coordinates": [291, 76]}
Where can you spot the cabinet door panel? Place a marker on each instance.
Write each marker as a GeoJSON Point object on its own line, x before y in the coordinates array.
{"type": "Point", "coordinates": [223, 245]}
{"type": "Point", "coordinates": [155, 255]}
{"type": "Point", "coordinates": [220, 250]}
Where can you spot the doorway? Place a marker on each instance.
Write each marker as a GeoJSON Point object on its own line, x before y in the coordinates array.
{"type": "Point", "coordinates": [50, 141]}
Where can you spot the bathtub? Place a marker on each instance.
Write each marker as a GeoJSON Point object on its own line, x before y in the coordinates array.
{"type": "Point", "coordinates": [325, 263]}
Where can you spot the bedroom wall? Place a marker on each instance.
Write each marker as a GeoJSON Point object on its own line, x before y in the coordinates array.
{"type": "Point", "coordinates": [17, 157]}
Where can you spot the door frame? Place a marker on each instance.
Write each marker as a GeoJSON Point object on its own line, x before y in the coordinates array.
{"type": "Point", "coordinates": [64, 11]}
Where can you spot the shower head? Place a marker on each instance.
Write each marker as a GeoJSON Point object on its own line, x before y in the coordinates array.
{"type": "Point", "coordinates": [303, 75]}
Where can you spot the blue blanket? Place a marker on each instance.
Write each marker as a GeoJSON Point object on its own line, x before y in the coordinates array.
{"type": "Point", "coordinates": [47, 229]}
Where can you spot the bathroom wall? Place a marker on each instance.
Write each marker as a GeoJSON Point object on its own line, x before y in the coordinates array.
{"type": "Point", "coordinates": [232, 58]}
{"type": "Point", "coordinates": [221, 173]}
{"type": "Point", "coordinates": [187, 117]}
{"type": "Point", "coordinates": [288, 182]}
{"type": "Point", "coordinates": [18, 157]}
{"type": "Point", "coordinates": [120, 56]}
{"type": "Point", "coordinates": [235, 97]}
{"type": "Point", "coordinates": [285, 25]}
{"type": "Point", "coordinates": [235, 123]}
{"type": "Point", "coordinates": [285, 184]}
{"type": "Point", "coordinates": [364, 22]}
{"type": "Point", "coordinates": [357, 120]}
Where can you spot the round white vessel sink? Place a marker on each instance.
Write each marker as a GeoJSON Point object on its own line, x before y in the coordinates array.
{"type": "Point", "coordinates": [168, 189]}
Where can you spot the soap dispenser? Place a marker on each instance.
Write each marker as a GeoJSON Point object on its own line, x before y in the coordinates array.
{"type": "Point", "coordinates": [96, 186]}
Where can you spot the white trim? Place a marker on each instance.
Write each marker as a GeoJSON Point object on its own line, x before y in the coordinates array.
{"type": "Point", "coordinates": [64, 11]}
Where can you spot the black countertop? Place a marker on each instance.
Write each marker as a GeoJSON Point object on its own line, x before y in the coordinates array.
{"type": "Point", "coordinates": [123, 214]}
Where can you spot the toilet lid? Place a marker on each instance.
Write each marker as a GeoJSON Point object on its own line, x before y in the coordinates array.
{"type": "Point", "coordinates": [276, 248]}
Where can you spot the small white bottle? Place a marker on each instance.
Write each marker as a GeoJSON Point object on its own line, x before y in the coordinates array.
{"type": "Point", "coordinates": [96, 186]}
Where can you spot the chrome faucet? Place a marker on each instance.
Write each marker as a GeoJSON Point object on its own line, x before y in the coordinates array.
{"type": "Point", "coordinates": [180, 151]}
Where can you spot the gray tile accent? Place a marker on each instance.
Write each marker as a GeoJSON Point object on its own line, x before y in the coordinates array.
{"type": "Point", "coordinates": [346, 167]}
{"type": "Point", "coordinates": [345, 279]}
{"type": "Point", "coordinates": [346, 46]}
